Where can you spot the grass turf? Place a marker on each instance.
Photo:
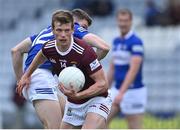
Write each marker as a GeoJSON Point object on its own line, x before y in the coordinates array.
{"type": "Point", "coordinates": [149, 122]}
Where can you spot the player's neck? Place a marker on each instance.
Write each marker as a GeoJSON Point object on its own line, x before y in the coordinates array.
{"type": "Point", "coordinates": [124, 34]}
{"type": "Point", "coordinates": [63, 48]}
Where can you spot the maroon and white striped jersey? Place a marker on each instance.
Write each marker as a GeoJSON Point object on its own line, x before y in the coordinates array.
{"type": "Point", "coordinates": [80, 55]}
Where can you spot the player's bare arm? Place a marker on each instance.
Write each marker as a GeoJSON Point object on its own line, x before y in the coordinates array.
{"type": "Point", "coordinates": [25, 79]}
{"type": "Point", "coordinates": [110, 74]}
{"type": "Point", "coordinates": [95, 41]}
{"type": "Point", "coordinates": [17, 56]}
{"type": "Point", "coordinates": [135, 64]}
{"type": "Point", "coordinates": [100, 86]}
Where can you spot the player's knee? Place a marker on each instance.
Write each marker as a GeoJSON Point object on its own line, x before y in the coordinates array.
{"type": "Point", "coordinates": [98, 125]}
{"type": "Point", "coordinates": [109, 119]}
{"type": "Point", "coordinates": [52, 125]}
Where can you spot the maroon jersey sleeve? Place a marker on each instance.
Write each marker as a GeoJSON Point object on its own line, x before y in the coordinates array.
{"type": "Point", "coordinates": [44, 50]}
{"type": "Point", "coordinates": [90, 61]}
{"type": "Point", "coordinates": [48, 48]}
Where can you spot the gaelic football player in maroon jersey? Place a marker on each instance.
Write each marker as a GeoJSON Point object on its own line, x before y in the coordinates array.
{"type": "Point", "coordinates": [40, 89]}
{"type": "Point", "coordinates": [90, 107]}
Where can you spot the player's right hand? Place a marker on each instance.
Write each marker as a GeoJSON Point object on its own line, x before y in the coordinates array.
{"type": "Point", "coordinates": [67, 92]}
{"type": "Point", "coordinates": [24, 82]}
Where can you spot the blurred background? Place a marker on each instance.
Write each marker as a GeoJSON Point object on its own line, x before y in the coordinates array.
{"type": "Point", "coordinates": [157, 22]}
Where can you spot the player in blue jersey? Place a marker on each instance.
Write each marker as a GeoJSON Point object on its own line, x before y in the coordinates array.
{"type": "Point", "coordinates": [128, 93]}
{"type": "Point", "coordinates": [42, 91]}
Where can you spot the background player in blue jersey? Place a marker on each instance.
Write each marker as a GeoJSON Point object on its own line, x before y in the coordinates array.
{"type": "Point", "coordinates": [128, 93]}
{"type": "Point", "coordinates": [42, 91]}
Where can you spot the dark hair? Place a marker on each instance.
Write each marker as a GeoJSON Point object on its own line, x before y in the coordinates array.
{"type": "Point", "coordinates": [124, 12]}
{"type": "Point", "coordinates": [62, 16]}
{"type": "Point", "coordinates": [81, 14]}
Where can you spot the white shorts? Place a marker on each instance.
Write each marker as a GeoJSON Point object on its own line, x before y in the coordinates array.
{"type": "Point", "coordinates": [134, 100]}
{"type": "Point", "coordinates": [75, 114]}
{"type": "Point", "coordinates": [42, 86]}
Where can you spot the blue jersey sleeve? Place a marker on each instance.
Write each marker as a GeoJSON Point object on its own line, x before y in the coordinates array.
{"type": "Point", "coordinates": [33, 37]}
{"type": "Point", "coordinates": [137, 48]}
{"type": "Point", "coordinates": [79, 32]}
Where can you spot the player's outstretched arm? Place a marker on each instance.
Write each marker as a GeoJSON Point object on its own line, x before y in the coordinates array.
{"type": "Point", "coordinates": [100, 85]}
{"type": "Point", "coordinates": [17, 56]}
{"type": "Point", "coordinates": [95, 41]}
{"type": "Point", "coordinates": [25, 80]}
{"type": "Point", "coordinates": [38, 60]}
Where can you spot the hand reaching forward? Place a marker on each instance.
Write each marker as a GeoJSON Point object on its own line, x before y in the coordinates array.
{"type": "Point", "coordinates": [23, 83]}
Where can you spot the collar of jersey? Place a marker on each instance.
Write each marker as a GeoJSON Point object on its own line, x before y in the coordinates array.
{"type": "Point", "coordinates": [128, 35]}
{"type": "Point", "coordinates": [68, 50]}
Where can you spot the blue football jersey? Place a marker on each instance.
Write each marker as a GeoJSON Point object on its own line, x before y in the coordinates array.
{"type": "Point", "coordinates": [123, 50]}
{"type": "Point", "coordinates": [44, 36]}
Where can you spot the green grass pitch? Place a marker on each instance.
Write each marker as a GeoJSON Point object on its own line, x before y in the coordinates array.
{"type": "Point", "coordinates": [149, 122]}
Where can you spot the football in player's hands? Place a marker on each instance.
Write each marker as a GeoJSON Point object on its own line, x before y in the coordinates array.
{"type": "Point", "coordinates": [72, 78]}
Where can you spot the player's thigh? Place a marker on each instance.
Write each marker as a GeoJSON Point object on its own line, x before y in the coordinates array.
{"type": "Point", "coordinates": [133, 106]}
{"type": "Point", "coordinates": [62, 102]}
{"type": "Point", "coordinates": [115, 109]}
{"type": "Point", "coordinates": [65, 125]}
{"type": "Point", "coordinates": [49, 112]}
{"type": "Point", "coordinates": [94, 121]}
{"type": "Point", "coordinates": [135, 121]}
{"type": "Point", "coordinates": [97, 113]}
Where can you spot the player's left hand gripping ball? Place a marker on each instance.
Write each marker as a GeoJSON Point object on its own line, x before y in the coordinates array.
{"type": "Point", "coordinates": [24, 82]}
{"type": "Point", "coordinates": [69, 92]}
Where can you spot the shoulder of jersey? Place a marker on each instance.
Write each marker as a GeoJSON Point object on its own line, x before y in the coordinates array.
{"type": "Point", "coordinates": [79, 46]}
{"type": "Point", "coordinates": [49, 44]}
{"type": "Point", "coordinates": [116, 39]}
{"type": "Point", "coordinates": [136, 39]}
